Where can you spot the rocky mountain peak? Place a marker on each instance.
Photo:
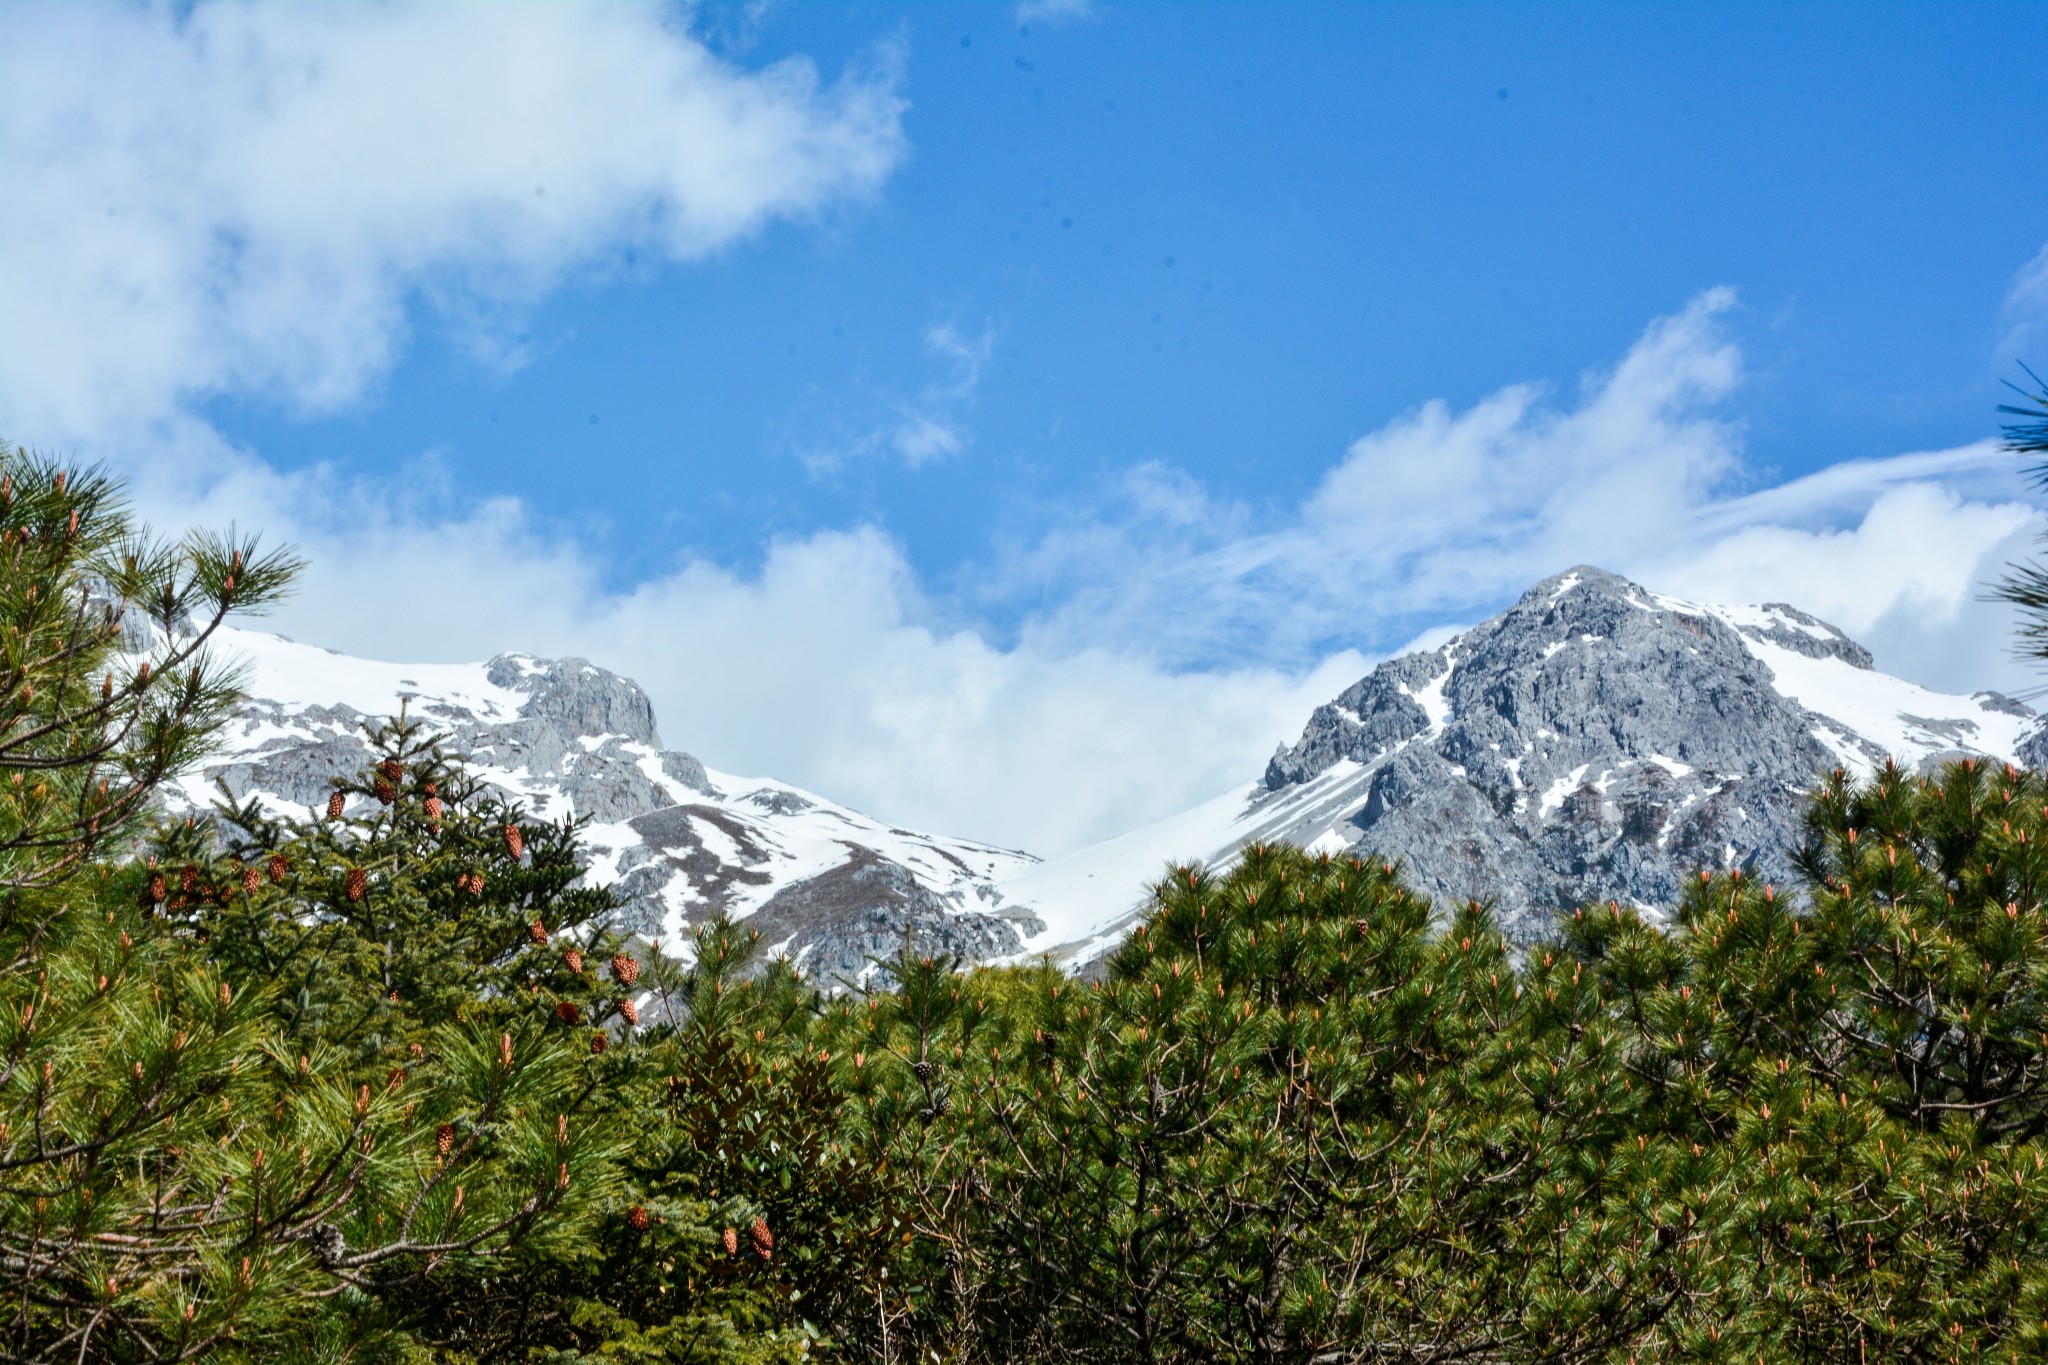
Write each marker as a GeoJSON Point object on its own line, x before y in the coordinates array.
{"type": "Point", "coordinates": [1599, 741]}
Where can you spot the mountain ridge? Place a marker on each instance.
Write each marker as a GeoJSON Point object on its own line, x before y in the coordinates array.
{"type": "Point", "coordinates": [1593, 741]}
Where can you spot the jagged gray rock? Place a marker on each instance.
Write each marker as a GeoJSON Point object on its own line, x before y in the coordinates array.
{"type": "Point", "coordinates": [577, 739]}
{"type": "Point", "coordinates": [1592, 742]}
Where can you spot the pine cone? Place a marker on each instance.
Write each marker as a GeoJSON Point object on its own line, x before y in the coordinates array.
{"type": "Point", "coordinates": [278, 867]}
{"type": "Point", "coordinates": [515, 842]}
{"type": "Point", "coordinates": [392, 769]}
{"type": "Point", "coordinates": [251, 879]}
{"type": "Point", "coordinates": [629, 1012]}
{"type": "Point", "coordinates": [636, 1218]}
{"type": "Point", "coordinates": [386, 793]}
{"type": "Point", "coordinates": [598, 1043]}
{"type": "Point", "coordinates": [568, 1013]}
{"type": "Point", "coordinates": [188, 878]}
{"type": "Point", "coordinates": [537, 931]}
{"type": "Point", "coordinates": [357, 883]}
{"type": "Point", "coordinates": [334, 804]}
{"type": "Point", "coordinates": [432, 789]}
{"type": "Point", "coordinates": [732, 1242]}
{"type": "Point", "coordinates": [764, 1240]}
{"type": "Point", "coordinates": [444, 1139]}
{"type": "Point", "coordinates": [573, 960]}
{"type": "Point", "coordinates": [432, 806]}
{"type": "Point", "coordinates": [158, 888]}
{"type": "Point", "coordinates": [625, 968]}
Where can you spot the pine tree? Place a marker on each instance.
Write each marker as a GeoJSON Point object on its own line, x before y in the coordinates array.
{"type": "Point", "coordinates": [2026, 585]}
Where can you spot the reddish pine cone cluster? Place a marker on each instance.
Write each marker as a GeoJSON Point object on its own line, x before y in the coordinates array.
{"type": "Point", "coordinates": [386, 793]}
{"type": "Point", "coordinates": [537, 931]}
{"type": "Point", "coordinates": [764, 1240]}
{"type": "Point", "coordinates": [391, 770]}
{"type": "Point", "coordinates": [358, 882]}
{"type": "Point", "coordinates": [158, 887]}
{"type": "Point", "coordinates": [573, 960]}
{"type": "Point", "coordinates": [568, 1013]}
{"type": "Point", "coordinates": [629, 1012]}
{"type": "Point", "coordinates": [515, 842]}
{"type": "Point", "coordinates": [732, 1242]}
{"type": "Point", "coordinates": [472, 882]}
{"type": "Point", "coordinates": [251, 879]}
{"type": "Point", "coordinates": [625, 968]}
{"type": "Point", "coordinates": [432, 807]}
{"type": "Point", "coordinates": [598, 1043]}
{"type": "Point", "coordinates": [636, 1218]}
{"type": "Point", "coordinates": [444, 1139]}
{"type": "Point", "coordinates": [334, 804]}
{"type": "Point", "coordinates": [278, 867]}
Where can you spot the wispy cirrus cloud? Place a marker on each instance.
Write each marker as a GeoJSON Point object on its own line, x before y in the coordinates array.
{"type": "Point", "coordinates": [927, 426]}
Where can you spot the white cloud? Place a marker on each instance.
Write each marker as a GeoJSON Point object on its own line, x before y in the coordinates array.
{"type": "Point", "coordinates": [829, 667]}
{"type": "Point", "coordinates": [1054, 11]}
{"type": "Point", "coordinates": [929, 426]}
{"type": "Point", "coordinates": [245, 198]}
{"type": "Point", "coordinates": [257, 200]}
{"type": "Point", "coordinates": [1442, 514]}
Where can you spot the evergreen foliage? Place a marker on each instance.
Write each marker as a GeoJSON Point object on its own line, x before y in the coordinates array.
{"type": "Point", "coordinates": [2026, 585]}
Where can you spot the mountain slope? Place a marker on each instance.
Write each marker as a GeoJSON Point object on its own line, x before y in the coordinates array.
{"type": "Point", "coordinates": [1595, 741]}
{"type": "Point", "coordinates": [829, 885]}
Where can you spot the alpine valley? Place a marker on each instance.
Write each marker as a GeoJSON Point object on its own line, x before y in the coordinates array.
{"type": "Point", "coordinates": [1596, 741]}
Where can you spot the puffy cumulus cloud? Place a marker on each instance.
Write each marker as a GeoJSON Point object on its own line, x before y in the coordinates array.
{"type": "Point", "coordinates": [1906, 579]}
{"type": "Point", "coordinates": [1447, 514]}
{"type": "Point", "coordinates": [244, 198]}
{"type": "Point", "coordinates": [827, 665]}
{"type": "Point", "coordinates": [1174, 644]}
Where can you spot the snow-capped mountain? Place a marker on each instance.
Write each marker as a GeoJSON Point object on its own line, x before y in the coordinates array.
{"type": "Point", "coordinates": [826, 884]}
{"type": "Point", "coordinates": [1595, 741]}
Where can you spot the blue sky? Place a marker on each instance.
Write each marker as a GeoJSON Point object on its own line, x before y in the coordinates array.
{"type": "Point", "coordinates": [1074, 361]}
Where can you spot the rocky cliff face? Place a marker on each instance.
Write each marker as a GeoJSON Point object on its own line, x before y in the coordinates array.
{"type": "Point", "coordinates": [825, 884]}
{"type": "Point", "coordinates": [1597, 741]}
